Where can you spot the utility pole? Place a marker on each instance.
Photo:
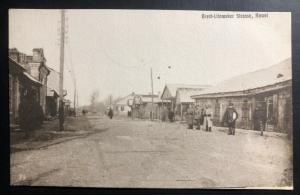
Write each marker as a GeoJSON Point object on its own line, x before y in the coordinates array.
{"type": "Point", "coordinates": [151, 75]}
{"type": "Point", "coordinates": [61, 75]}
{"type": "Point", "coordinates": [75, 100]}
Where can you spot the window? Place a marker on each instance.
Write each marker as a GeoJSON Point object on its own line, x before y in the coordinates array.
{"type": "Point", "coordinates": [122, 108]}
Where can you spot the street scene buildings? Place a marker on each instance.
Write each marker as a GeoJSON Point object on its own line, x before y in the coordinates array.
{"type": "Point", "coordinates": [149, 110]}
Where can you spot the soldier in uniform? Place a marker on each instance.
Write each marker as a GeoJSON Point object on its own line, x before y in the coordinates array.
{"type": "Point", "coordinates": [198, 117]}
{"type": "Point", "coordinates": [230, 116]}
{"type": "Point", "coordinates": [207, 123]}
{"type": "Point", "coordinates": [190, 117]}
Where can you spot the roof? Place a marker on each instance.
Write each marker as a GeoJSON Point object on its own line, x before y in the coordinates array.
{"type": "Point", "coordinates": [53, 81]}
{"type": "Point", "coordinates": [265, 77]}
{"type": "Point", "coordinates": [124, 100]}
{"type": "Point", "coordinates": [172, 88]}
{"type": "Point", "coordinates": [32, 78]}
{"type": "Point", "coordinates": [17, 63]}
{"type": "Point", "coordinates": [184, 95]}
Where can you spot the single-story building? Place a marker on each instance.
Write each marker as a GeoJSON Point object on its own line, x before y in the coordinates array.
{"type": "Point", "coordinates": [142, 106]}
{"type": "Point", "coordinates": [123, 106]}
{"type": "Point", "coordinates": [270, 87]}
{"type": "Point", "coordinates": [179, 96]}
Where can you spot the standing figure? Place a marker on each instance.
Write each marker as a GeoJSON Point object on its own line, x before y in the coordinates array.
{"type": "Point", "coordinates": [198, 117]}
{"type": "Point", "coordinates": [110, 113]}
{"type": "Point", "coordinates": [230, 116]}
{"type": "Point", "coordinates": [190, 117]}
{"type": "Point", "coordinates": [260, 118]}
{"type": "Point", "coordinates": [207, 123]}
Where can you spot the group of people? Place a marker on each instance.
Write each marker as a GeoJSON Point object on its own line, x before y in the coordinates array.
{"type": "Point", "coordinates": [203, 117]}
{"type": "Point", "coordinates": [200, 117]}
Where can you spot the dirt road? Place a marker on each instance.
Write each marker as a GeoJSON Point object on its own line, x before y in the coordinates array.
{"type": "Point", "coordinates": [134, 153]}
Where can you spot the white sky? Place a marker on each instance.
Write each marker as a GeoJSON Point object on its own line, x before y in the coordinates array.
{"type": "Point", "coordinates": [112, 50]}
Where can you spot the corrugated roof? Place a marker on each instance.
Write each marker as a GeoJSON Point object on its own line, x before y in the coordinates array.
{"type": "Point", "coordinates": [173, 87]}
{"type": "Point", "coordinates": [184, 95]}
{"type": "Point", "coordinates": [269, 76]}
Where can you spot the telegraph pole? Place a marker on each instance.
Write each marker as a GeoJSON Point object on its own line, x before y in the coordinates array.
{"type": "Point", "coordinates": [61, 75]}
{"type": "Point", "coordinates": [151, 75]}
{"type": "Point", "coordinates": [75, 100]}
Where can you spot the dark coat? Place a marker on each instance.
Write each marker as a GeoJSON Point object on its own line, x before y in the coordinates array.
{"type": "Point", "coordinates": [228, 116]}
{"type": "Point", "coordinates": [110, 113]}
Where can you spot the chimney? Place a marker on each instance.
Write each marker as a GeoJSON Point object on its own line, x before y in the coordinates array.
{"type": "Point", "coordinates": [14, 54]}
{"type": "Point", "coordinates": [38, 55]}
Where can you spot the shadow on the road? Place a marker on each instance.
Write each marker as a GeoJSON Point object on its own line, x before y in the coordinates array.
{"type": "Point", "coordinates": [30, 181]}
{"type": "Point", "coordinates": [75, 128]}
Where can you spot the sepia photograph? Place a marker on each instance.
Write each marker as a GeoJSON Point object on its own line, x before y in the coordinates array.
{"type": "Point", "coordinates": [132, 98]}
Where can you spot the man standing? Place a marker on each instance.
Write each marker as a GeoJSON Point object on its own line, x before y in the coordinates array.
{"type": "Point", "coordinates": [110, 113]}
{"type": "Point", "coordinates": [190, 117]}
{"type": "Point", "coordinates": [230, 116]}
{"type": "Point", "coordinates": [207, 118]}
{"type": "Point", "coordinates": [198, 116]}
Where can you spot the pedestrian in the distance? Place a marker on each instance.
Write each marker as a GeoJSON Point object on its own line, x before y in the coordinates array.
{"type": "Point", "coordinates": [110, 113]}
{"type": "Point", "coordinates": [260, 118]}
{"type": "Point", "coordinates": [207, 123]}
{"type": "Point", "coordinates": [230, 117]}
{"type": "Point", "coordinates": [198, 116]}
{"type": "Point", "coordinates": [190, 117]}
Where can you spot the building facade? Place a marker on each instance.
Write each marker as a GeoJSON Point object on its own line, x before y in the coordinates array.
{"type": "Point", "coordinates": [179, 96]}
{"type": "Point", "coordinates": [52, 101]}
{"type": "Point", "coordinates": [20, 84]}
{"type": "Point", "coordinates": [270, 88]}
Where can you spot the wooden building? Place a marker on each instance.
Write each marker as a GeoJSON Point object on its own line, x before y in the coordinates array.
{"type": "Point", "coordinates": [142, 106]}
{"type": "Point", "coordinates": [21, 83]}
{"type": "Point", "coordinates": [179, 96]}
{"type": "Point", "coordinates": [271, 87]}
{"type": "Point", "coordinates": [123, 106]}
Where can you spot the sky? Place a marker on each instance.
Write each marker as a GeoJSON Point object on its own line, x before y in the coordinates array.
{"type": "Point", "coordinates": [112, 51]}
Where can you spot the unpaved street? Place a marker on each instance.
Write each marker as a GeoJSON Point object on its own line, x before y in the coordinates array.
{"type": "Point", "coordinates": [135, 153]}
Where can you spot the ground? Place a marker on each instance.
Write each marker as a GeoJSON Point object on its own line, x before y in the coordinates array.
{"type": "Point", "coordinates": [97, 152]}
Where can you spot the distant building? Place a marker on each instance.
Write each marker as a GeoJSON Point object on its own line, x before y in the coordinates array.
{"type": "Point", "coordinates": [67, 106]}
{"type": "Point", "coordinates": [123, 106]}
{"type": "Point", "coordinates": [270, 87]}
{"type": "Point", "coordinates": [179, 96]}
{"type": "Point", "coordinates": [142, 106]}
{"type": "Point", "coordinates": [52, 98]}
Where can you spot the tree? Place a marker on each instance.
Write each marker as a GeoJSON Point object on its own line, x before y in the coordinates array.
{"type": "Point", "coordinates": [94, 97]}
